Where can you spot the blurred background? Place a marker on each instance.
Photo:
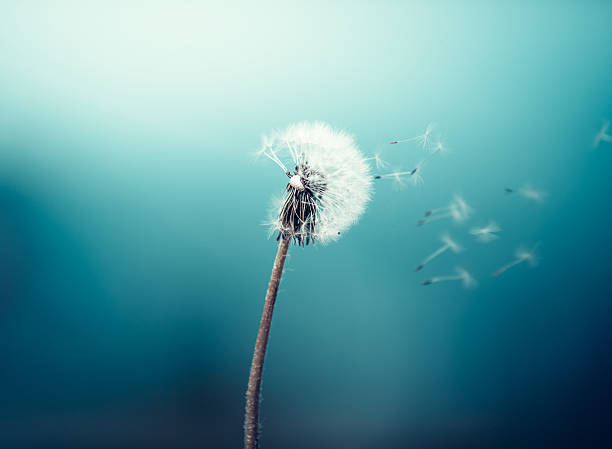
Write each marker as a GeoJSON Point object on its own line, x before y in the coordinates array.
{"type": "Point", "coordinates": [134, 261]}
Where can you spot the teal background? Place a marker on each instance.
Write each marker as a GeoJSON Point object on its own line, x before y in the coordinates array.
{"type": "Point", "coordinates": [134, 263]}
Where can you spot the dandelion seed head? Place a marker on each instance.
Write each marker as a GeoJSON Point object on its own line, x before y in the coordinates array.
{"type": "Point", "coordinates": [296, 182]}
{"type": "Point", "coordinates": [467, 280]}
{"type": "Point", "coordinates": [397, 177]}
{"type": "Point", "coordinates": [416, 178]}
{"type": "Point", "coordinates": [425, 138]}
{"type": "Point", "coordinates": [429, 129]}
{"type": "Point", "coordinates": [452, 245]}
{"type": "Point", "coordinates": [439, 147]}
{"type": "Point", "coordinates": [486, 233]}
{"type": "Point", "coordinates": [602, 134]}
{"type": "Point", "coordinates": [526, 254]}
{"type": "Point", "coordinates": [330, 184]}
{"type": "Point", "coordinates": [492, 227]}
{"type": "Point", "coordinates": [459, 209]}
{"type": "Point", "coordinates": [378, 161]}
{"type": "Point", "coordinates": [486, 237]}
{"type": "Point", "coordinates": [532, 194]}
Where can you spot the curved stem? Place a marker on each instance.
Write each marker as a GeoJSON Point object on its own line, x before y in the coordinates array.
{"type": "Point", "coordinates": [251, 416]}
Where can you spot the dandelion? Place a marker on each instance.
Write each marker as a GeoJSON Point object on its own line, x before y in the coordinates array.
{"type": "Point", "coordinates": [423, 139]}
{"type": "Point", "coordinates": [532, 194]}
{"type": "Point", "coordinates": [458, 211]}
{"type": "Point", "coordinates": [328, 190]}
{"type": "Point", "coordinates": [449, 243]}
{"type": "Point", "coordinates": [521, 255]}
{"type": "Point", "coordinates": [602, 135]}
{"type": "Point", "coordinates": [486, 233]}
{"type": "Point", "coordinates": [461, 275]}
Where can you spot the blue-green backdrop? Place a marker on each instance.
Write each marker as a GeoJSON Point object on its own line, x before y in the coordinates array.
{"type": "Point", "coordinates": [133, 260]}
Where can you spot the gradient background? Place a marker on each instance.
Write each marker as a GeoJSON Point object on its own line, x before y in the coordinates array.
{"type": "Point", "coordinates": [134, 263]}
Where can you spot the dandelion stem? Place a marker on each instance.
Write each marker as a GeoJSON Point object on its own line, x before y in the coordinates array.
{"type": "Point", "coordinates": [251, 416]}
{"type": "Point", "coordinates": [435, 254]}
{"type": "Point", "coordinates": [508, 266]}
{"type": "Point", "coordinates": [445, 278]}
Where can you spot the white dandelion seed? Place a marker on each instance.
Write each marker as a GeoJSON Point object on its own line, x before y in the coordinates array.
{"type": "Point", "coordinates": [458, 211]}
{"type": "Point", "coordinates": [602, 135]}
{"type": "Point", "coordinates": [399, 177]}
{"type": "Point", "coordinates": [423, 139]}
{"type": "Point", "coordinates": [329, 187]}
{"type": "Point", "coordinates": [378, 161]}
{"type": "Point", "coordinates": [416, 174]}
{"type": "Point", "coordinates": [522, 254]}
{"type": "Point", "coordinates": [467, 280]}
{"type": "Point", "coordinates": [448, 243]}
{"type": "Point", "coordinates": [439, 148]}
{"type": "Point", "coordinates": [486, 234]}
{"type": "Point", "coordinates": [532, 194]}
{"type": "Point", "coordinates": [416, 179]}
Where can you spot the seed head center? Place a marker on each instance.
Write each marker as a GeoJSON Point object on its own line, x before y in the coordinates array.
{"type": "Point", "coordinates": [296, 182]}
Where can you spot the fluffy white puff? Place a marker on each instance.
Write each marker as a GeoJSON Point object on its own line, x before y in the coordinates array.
{"type": "Point", "coordinates": [334, 162]}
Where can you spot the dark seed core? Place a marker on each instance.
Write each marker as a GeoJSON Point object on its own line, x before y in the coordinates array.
{"type": "Point", "coordinates": [299, 213]}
